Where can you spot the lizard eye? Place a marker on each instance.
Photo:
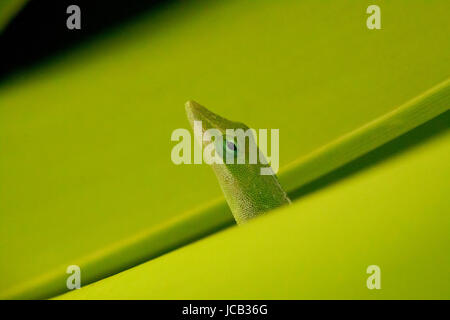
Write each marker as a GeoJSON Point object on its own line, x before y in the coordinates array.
{"type": "Point", "coordinates": [231, 147]}
{"type": "Point", "coordinates": [228, 149]}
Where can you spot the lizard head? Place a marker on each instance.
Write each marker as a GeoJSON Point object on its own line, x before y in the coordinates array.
{"type": "Point", "coordinates": [247, 191]}
{"type": "Point", "coordinates": [226, 144]}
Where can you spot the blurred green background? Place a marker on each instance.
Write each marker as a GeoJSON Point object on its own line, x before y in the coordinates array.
{"type": "Point", "coordinates": [85, 137]}
{"type": "Point", "coordinates": [8, 8]}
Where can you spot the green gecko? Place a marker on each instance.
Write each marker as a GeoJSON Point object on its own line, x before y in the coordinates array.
{"type": "Point", "coordinates": [247, 192]}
